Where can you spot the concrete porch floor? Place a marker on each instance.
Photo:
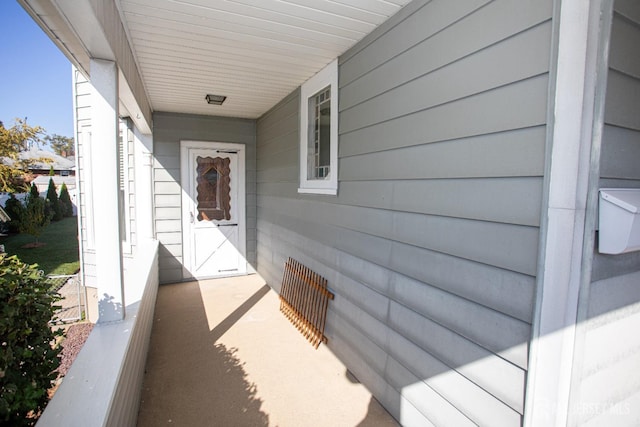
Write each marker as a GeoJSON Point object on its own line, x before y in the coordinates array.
{"type": "Point", "coordinates": [222, 354]}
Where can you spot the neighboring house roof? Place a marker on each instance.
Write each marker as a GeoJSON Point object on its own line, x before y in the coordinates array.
{"type": "Point", "coordinates": [45, 159]}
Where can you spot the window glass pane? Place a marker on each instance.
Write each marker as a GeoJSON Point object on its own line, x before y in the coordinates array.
{"type": "Point", "coordinates": [319, 148]}
{"type": "Point", "coordinates": [212, 187]}
{"type": "Point", "coordinates": [324, 144]}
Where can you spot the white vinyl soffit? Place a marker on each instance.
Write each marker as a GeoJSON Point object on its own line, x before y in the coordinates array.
{"type": "Point", "coordinates": [253, 51]}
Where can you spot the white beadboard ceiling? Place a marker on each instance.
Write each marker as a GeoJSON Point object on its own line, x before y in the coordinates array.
{"type": "Point", "coordinates": [255, 52]}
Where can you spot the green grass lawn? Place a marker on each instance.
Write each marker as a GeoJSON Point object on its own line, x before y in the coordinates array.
{"type": "Point", "coordinates": [59, 255]}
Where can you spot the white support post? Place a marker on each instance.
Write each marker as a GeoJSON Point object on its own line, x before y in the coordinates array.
{"type": "Point", "coordinates": [564, 258]}
{"type": "Point", "coordinates": [104, 168]}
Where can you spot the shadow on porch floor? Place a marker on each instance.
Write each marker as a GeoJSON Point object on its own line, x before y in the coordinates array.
{"type": "Point", "coordinates": [222, 354]}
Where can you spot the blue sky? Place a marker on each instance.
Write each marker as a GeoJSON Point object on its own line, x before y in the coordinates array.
{"type": "Point", "coordinates": [35, 77]}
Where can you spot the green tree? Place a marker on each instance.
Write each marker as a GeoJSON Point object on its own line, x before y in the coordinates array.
{"type": "Point", "coordinates": [65, 201]}
{"type": "Point", "coordinates": [29, 358]}
{"type": "Point", "coordinates": [35, 217]}
{"type": "Point", "coordinates": [15, 209]}
{"type": "Point", "coordinates": [61, 145]}
{"type": "Point", "coordinates": [52, 196]}
{"type": "Point", "coordinates": [33, 191]}
{"type": "Point", "coordinates": [14, 140]}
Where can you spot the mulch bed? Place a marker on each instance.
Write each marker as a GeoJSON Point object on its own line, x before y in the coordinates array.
{"type": "Point", "coordinates": [75, 337]}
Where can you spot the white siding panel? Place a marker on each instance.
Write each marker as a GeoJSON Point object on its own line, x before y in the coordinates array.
{"type": "Point", "coordinates": [168, 226]}
{"type": "Point", "coordinates": [163, 200]}
{"type": "Point", "coordinates": [164, 175]}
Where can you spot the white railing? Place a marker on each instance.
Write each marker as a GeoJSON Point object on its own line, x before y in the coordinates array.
{"type": "Point", "coordinates": [102, 387]}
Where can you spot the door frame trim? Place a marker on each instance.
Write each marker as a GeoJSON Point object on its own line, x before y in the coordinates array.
{"type": "Point", "coordinates": [185, 146]}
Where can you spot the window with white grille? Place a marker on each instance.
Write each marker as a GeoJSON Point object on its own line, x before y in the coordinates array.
{"type": "Point", "coordinates": [319, 133]}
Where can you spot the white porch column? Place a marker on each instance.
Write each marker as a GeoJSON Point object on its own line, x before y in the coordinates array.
{"type": "Point", "coordinates": [106, 209]}
{"type": "Point", "coordinates": [578, 74]}
{"type": "Point", "coordinates": [144, 183]}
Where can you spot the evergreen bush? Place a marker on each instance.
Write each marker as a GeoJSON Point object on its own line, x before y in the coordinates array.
{"type": "Point", "coordinates": [15, 209]}
{"type": "Point", "coordinates": [57, 211]}
{"type": "Point", "coordinates": [33, 191]}
{"type": "Point", "coordinates": [37, 214]}
{"type": "Point", "coordinates": [29, 356]}
{"type": "Point", "coordinates": [65, 201]}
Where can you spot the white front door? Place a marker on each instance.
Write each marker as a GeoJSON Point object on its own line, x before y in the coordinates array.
{"type": "Point", "coordinates": [213, 209]}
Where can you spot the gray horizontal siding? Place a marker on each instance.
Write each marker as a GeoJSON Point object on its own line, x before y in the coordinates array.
{"type": "Point", "coordinates": [619, 141]}
{"type": "Point", "coordinates": [477, 156]}
{"type": "Point", "coordinates": [623, 93]}
{"type": "Point", "coordinates": [508, 200]}
{"type": "Point", "coordinates": [479, 241]}
{"type": "Point", "coordinates": [447, 83]}
{"type": "Point", "coordinates": [457, 119]}
{"type": "Point", "coordinates": [169, 130]}
{"type": "Point", "coordinates": [411, 326]}
{"type": "Point", "coordinates": [431, 244]}
{"type": "Point", "coordinates": [620, 151]}
{"type": "Point", "coordinates": [452, 29]}
{"type": "Point", "coordinates": [611, 346]}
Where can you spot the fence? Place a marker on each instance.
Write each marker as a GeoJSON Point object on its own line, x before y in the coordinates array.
{"type": "Point", "coordinates": [73, 304]}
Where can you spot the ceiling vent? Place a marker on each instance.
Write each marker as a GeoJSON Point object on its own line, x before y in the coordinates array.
{"type": "Point", "coordinates": [215, 99]}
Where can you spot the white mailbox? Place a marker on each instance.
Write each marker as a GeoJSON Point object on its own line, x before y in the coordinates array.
{"type": "Point", "coordinates": [619, 220]}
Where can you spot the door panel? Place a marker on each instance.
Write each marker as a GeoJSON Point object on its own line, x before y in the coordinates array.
{"type": "Point", "coordinates": [213, 208]}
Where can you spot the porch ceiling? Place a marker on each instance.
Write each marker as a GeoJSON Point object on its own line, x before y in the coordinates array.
{"type": "Point", "coordinates": [254, 52]}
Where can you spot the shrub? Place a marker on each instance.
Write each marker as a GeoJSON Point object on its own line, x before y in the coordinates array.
{"type": "Point", "coordinates": [52, 197]}
{"type": "Point", "coordinates": [15, 209]}
{"type": "Point", "coordinates": [36, 214]}
{"type": "Point", "coordinates": [65, 201]}
{"type": "Point", "coordinates": [33, 191]}
{"type": "Point", "coordinates": [28, 359]}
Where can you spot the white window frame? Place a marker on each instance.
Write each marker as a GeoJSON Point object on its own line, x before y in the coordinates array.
{"type": "Point", "coordinates": [328, 76]}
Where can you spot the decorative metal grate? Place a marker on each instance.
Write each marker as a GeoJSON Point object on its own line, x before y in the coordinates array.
{"type": "Point", "coordinates": [304, 299]}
